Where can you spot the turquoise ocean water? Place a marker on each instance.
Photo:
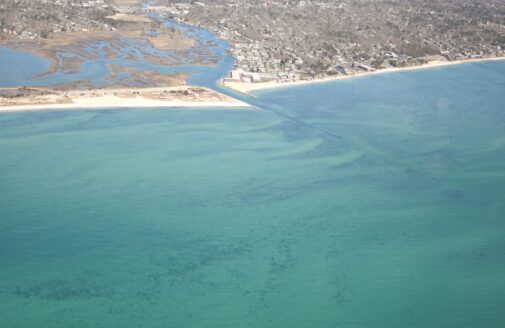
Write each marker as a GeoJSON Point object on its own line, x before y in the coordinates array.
{"type": "Point", "coordinates": [372, 202]}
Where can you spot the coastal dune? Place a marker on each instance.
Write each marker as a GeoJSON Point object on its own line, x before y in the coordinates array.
{"type": "Point", "coordinates": [182, 96]}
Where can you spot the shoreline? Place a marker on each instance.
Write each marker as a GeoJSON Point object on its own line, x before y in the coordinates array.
{"type": "Point", "coordinates": [246, 88]}
{"type": "Point", "coordinates": [43, 99]}
{"type": "Point", "coordinates": [170, 97]}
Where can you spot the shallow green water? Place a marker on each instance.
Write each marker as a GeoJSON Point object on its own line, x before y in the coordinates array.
{"type": "Point", "coordinates": [386, 208]}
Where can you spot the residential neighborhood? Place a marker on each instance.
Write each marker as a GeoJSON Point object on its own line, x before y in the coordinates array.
{"type": "Point", "coordinates": [304, 39]}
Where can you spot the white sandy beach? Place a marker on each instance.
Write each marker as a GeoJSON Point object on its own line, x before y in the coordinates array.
{"type": "Point", "coordinates": [245, 87]}
{"type": "Point", "coordinates": [120, 98]}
